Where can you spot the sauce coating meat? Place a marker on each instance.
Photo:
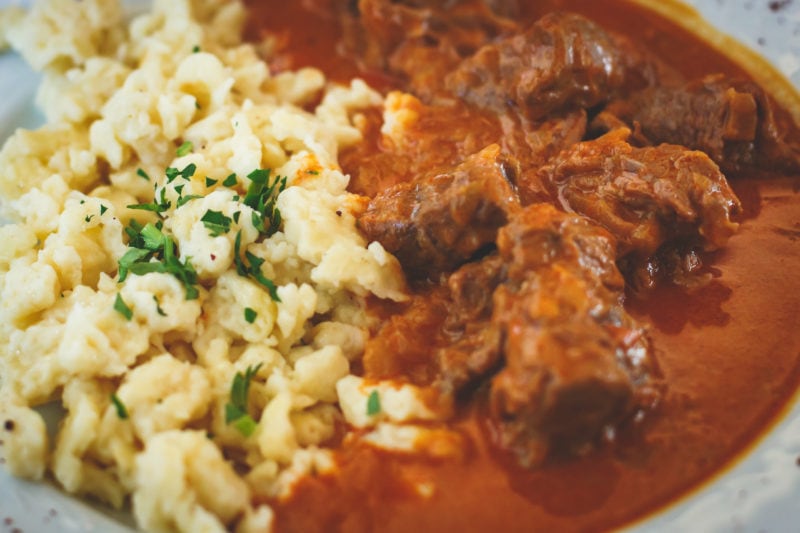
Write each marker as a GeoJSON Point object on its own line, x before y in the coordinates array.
{"type": "Point", "coordinates": [439, 221]}
{"type": "Point", "coordinates": [650, 198]}
{"type": "Point", "coordinates": [541, 168]}
{"type": "Point", "coordinates": [730, 120]}
{"type": "Point", "coordinates": [563, 61]}
{"type": "Point", "coordinates": [575, 361]}
{"type": "Point", "coordinates": [564, 377]}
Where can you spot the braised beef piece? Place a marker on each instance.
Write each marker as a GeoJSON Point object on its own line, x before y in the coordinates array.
{"type": "Point", "coordinates": [441, 136]}
{"type": "Point", "coordinates": [730, 120]}
{"type": "Point", "coordinates": [545, 315]}
{"type": "Point", "coordinates": [564, 61]}
{"type": "Point", "coordinates": [575, 362]}
{"type": "Point", "coordinates": [644, 196]}
{"type": "Point", "coordinates": [473, 346]}
{"type": "Point", "coordinates": [416, 139]}
{"type": "Point", "coordinates": [535, 144]}
{"type": "Point", "coordinates": [422, 39]}
{"type": "Point", "coordinates": [439, 221]}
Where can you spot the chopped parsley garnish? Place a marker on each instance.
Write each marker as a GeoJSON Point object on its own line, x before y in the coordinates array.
{"type": "Point", "coordinates": [103, 209]}
{"type": "Point", "coordinates": [122, 308]}
{"type": "Point", "coordinates": [250, 315]}
{"type": "Point", "coordinates": [185, 148]}
{"type": "Point", "coordinates": [216, 223]}
{"type": "Point", "coordinates": [142, 174]}
{"type": "Point", "coordinates": [261, 196]}
{"type": "Point", "coordinates": [88, 218]}
{"type": "Point", "coordinates": [236, 216]}
{"type": "Point", "coordinates": [157, 207]}
{"type": "Point", "coordinates": [236, 409]}
{"type": "Point", "coordinates": [152, 237]}
{"type": "Point", "coordinates": [122, 411]}
{"type": "Point", "coordinates": [195, 48]}
{"type": "Point", "coordinates": [186, 173]}
{"type": "Point", "coordinates": [373, 403]}
{"type": "Point", "coordinates": [131, 257]}
{"type": "Point", "coordinates": [210, 182]}
{"type": "Point", "coordinates": [149, 250]}
{"type": "Point", "coordinates": [186, 199]}
{"type": "Point", "coordinates": [312, 172]}
{"type": "Point", "coordinates": [230, 181]}
{"type": "Point", "coordinates": [158, 306]}
{"type": "Point", "coordinates": [182, 200]}
{"type": "Point", "coordinates": [253, 269]}
{"type": "Point", "coordinates": [132, 230]}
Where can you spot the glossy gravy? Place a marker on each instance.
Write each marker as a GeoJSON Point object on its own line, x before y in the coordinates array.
{"type": "Point", "coordinates": [729, 353]}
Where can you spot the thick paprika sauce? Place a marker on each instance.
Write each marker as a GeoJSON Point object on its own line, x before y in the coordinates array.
{"type": "Point", "coordinates": [729, 352]}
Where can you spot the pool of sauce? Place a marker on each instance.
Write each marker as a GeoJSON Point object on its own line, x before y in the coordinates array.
{"type": "Point", "coordinates": [729, 352]}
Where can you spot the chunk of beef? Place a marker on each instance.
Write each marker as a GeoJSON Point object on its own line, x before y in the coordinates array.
{"type": "Point", "coordinates": [576, 363]}
{"type": "Point", "coordinates": [563, 61]}
{"type": "Point", "coordinates": [645, 196]}
{"type": "Point", "coordinates": [473, 342]}
{"type": "Point", "coordinates": [538, 145]}
{"type": "Point", "coordinates": [730, 120]}
{"type": "Point", "coordinates": [437, 222]}
{"type": "Point", "coordinates": [410, 138]}
{"type": "Point", "coordinates": [422, 39]}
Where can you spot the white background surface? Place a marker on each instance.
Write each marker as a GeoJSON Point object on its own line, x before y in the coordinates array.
{"type": "Point", "coordinates": [761, 493]}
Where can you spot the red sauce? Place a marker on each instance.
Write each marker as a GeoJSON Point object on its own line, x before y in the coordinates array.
{"type": "Point", "coordinates": [729, 352]}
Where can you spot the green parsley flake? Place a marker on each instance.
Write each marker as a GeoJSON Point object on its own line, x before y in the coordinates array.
{"type": "Point", "coordinates": [195, 48]}
{"type": "Point", "coordinates": [122, 411]}
{"type": "Point", "coordinates": [158, 306]}
{"type": "Point", "coordinates": [261, 197]}
{"type": "Point", "coordinates": [236, 410]}
{"type": "Point", "coordinates": [142, 174]}
{"type": "Point", "coordinates": [122, 308]}
{"type": "Point", "coordinates": [132, 257]}
{"type": "Point", "coordinates": [230, 181]}
{"type": "Point", "coordinates": [156, 207]}
{"type": "Point", "coordinates": [250, 315]}
{"type": "Point", "coordinates": [185, 148]}
{"type": "Point", "coordinates": [188, 198]}
{"type": "Point", "coordinates": [253, 269]}
{"type": "Point", "coordinates": [153, 238]}
{"type": "Point", "coordinates": [186, 173]}
{"type": "Point", "coordinates": [216, 222]}
{"type": "Point", "coordinates": [88, 218]}
{"type": "Point", "coordinates": [150, 250]}
{"type": "Point", "coordinates": [182, 200]}
{"type": "Point", "coordinates": [373, 403]}
{"type": "Point", "coordinates": [103, 209]}
{"type": "Point", "coordinates": [210, 182]}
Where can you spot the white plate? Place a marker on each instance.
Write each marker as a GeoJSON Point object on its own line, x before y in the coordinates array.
{"type": "Point", "coordinates": [760, 493]}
